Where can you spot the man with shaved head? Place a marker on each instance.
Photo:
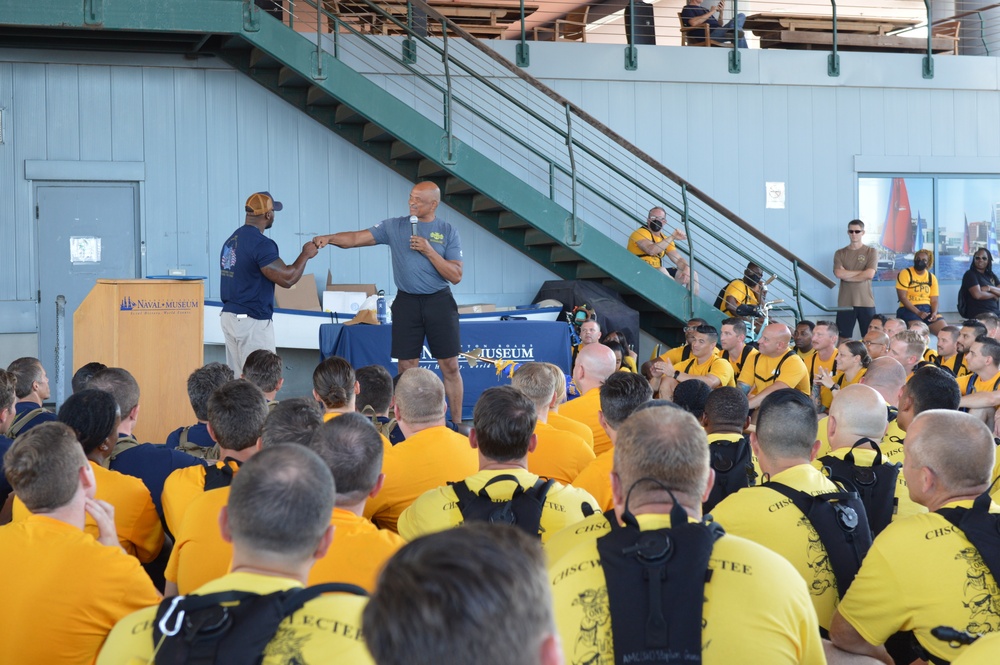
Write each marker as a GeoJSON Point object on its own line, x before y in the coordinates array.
{"type": "Point", "coordinates": [426, 261]}
{"type": "Point", "coordinates": [855, 428]}
{"type": "Point", "coordinates": [894, 326]}
{"type": "Point", "coordinates": [776, 367]}
{"type": "Point", "coordinates": [877, 343]}
{"type": "Point", "coordinates": [928, 571]}
{"type": "Point", "coordinates": [594, 364]}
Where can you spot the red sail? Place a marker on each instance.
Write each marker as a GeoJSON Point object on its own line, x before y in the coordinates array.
{"type": "Point", "coordinates": [897, 234]}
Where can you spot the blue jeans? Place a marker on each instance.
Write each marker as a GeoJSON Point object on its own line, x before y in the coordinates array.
{"type": "Point", "coordinates": [726, 32]}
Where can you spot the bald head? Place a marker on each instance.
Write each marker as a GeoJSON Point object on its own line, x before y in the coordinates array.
{"type": "Point", "coordinates": [956, 446]}
{"type": "Point", "coordinates": [424, 200]}
{"type": "Point", "coordinates": [857, 412]}
{"type": "Point", "coordinates": [886, 376]}
{"type": "Point", "coordinates": [774, 340]}
{"type": "Point", "coordinates": [594, 364]}
{"type": "Point", "coordinates": [877, 343]}
{"type": "Point", "coordinates": [894, 326]}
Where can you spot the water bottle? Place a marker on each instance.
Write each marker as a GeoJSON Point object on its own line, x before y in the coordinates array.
{"type": "Point", "coordinates": [380, 308]}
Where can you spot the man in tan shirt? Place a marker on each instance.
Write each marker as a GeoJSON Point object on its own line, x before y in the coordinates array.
{"type": "Point", "coordinates": [855, 267]}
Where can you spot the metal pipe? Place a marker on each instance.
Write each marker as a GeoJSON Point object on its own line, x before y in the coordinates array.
{"type": "Point", "coordinates": [735, 63]}
{"type": "Point", "coordinates": [798, 289]}
{"type": "Point", "coordinates": [60, 350]}
{"type": "Point", "coordinates": [833, 62]}
{"type": "Point", "coordinates": [574, 241]}
{"type": "Point", "coordinates": [928, 68]}
{"type": "Point", "coordinates": [449, 137]}
{"type": "Point", "coordinates": [687, 231]}
{"type": "Point", "coordinates": [522, 55]}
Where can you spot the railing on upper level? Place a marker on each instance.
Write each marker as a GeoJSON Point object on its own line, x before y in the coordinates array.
{"type": "Point", "coordinates": [486, 101]}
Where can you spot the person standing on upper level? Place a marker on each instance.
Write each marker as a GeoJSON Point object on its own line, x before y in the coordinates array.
{"type": "Point", "coordinates": [855, 267]}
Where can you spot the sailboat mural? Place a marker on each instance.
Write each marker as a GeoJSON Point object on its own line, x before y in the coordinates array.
{"type": "Point", "coordinates": [897, 232]}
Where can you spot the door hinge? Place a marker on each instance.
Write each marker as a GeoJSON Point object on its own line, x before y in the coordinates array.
{"type": "Point", "coordinates": [39, 296]}
{"type": "Point", "coordinates": [36, 211]}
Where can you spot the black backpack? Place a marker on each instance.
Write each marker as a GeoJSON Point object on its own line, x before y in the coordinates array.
{"type": "Point", "coordinates": [981, 528]}
{"type": "Point", "coordinates": [656, 587]}
{"type": "Point", "coordinates": [220, 476]}
{"type": "Point", "coordinates": [842, 526]}
{"type": "Point", "coordinates": [523, 509]}
{"type": "Point", "coordinates": [232, 627]}
{"type": "Point", "coordinates": [875, 484]}
{"type": "Point", "coordinates": [732, 462]}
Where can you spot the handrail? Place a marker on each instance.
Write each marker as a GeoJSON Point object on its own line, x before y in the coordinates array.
{"type": "Point", "coordinates": [635, 151]}
{"type": "Point", "coordinates": [490, 81]}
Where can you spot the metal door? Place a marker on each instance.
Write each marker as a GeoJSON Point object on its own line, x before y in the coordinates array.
{"type": "Point", "coordinates": [86, 232]}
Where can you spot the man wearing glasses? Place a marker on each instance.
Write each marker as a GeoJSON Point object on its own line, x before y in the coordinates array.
{"type": "Point", "coordinates": [650, 244]}
{"type": "Point", "coordinates": [877, 343]}
{"type": "Point", "coordinates": [855, 267]}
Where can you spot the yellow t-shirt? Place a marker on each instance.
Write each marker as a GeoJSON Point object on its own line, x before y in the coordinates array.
{"type": "Point", "coordinates": [573, 427]}
{"type": "Point", "coordinates": [140, 532]}
{"type": "Point", "coordinates": [919, 289]}
{"type": "Point", "coordinates": [866, 457]}
{"type": "Point", "coordinates": [737, 362]}
{"type": "Point", "coordinates": [430, 458]}
{"type": "Point", "coordinates": [584, 410]}
{"type": "Point", "coordinates": [716, 366]}
{"type": "Point", "coordinates": [596, 479]}
{"type": "Point", "coordinates": [200, 555]}
{"type": "Point", "coordinates": [780, 629]}
{"type": "Point", "coordinates": [949, 363]}
{"type": "Point", "coordinates": [358, 552]}
{"type": "Point", "coordinates": [741, 292]}
{"type": "Point", "coordinates": [181, 488]}
{"type": "Point", "coordinates": [763, 371]}
{"type": "Point", "coordinates": [984, 651]}
{"type": "Point", "coordinates": [981, 385]}
{"type": "Point", "coordinates": [437, 509]}
{"type": "Point", "coordinates": [764, 516]}
{"type": "Point", "coordinates": [63, 592]}
{"type": "Point", "coordinates": [558, 454]}
{"type": "Point", "coordinates": [815, 363]}
{"type": "Point", "coordinates": [645, 234]}
{"type": "Point", "coordinates": [921, 573]}
{"type": "Point", "coordinates": [327, 629]}
{"type": "Point", "coordinates": [585, 531]}
{"type": "Point", "coordinates": [840, 380]}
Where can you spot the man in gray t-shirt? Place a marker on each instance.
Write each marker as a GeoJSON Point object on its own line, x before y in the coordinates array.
{"type": "Point", "coordinates": [424, 265]}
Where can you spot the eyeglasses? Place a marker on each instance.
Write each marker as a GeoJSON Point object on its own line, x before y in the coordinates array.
{"type": "Point", "coordinates": [979, 258]}
{"type": "Point", "coordinates": [853, 231]}
{"type": "Point", "coordinates": [656, 219]}
{"type": "Point", "coordinates": [874, 343]}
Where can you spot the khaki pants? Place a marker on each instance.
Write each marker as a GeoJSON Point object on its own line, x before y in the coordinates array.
{"type": "Point", "coordinates": [244, 335]}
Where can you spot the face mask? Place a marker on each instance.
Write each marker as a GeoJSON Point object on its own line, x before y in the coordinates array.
{"type": "Point", "coordinates": [751, 280]}
{"type": "Point", "coordinates": [920, 265]}
{"type": "Point", "coordinates": [655, 226]}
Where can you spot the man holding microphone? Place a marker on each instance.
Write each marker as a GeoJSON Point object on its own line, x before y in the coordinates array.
{"type": "Point", "coordinates": [426, 260]}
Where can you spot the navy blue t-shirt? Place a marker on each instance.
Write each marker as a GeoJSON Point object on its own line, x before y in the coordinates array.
{"type": "Point", "coordinates": [694, 11]}
{"type": "Point", "coordinates": [198, 434]}
{"type": "Point", "coordinates": [245, 289]}
{"type": "Point", "coordinates": [5, 487]}
{"type": "Point", "coordinates": [152, 463]}
{"type": "Point", "coordinates": [25, 407]}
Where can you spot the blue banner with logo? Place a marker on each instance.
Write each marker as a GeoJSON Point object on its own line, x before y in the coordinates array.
{"type": "Point", "coordinates": [520, 341]}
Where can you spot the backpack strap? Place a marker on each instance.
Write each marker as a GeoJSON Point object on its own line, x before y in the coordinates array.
{"type": "Point", "coordinates": [523, 509]}
{"type": "Point", "coordinates": [220, 476]}
{"type": "Point", "coordinates": [124, 443]}
{"type": "Point", "coordinates": [842, 526]}
{"type": "Point", "coordinates": [18, 423]}
{"type": "Point", "coordinates": [875, 484]}
{"type": "Point", "coordinates": [732, 462]}
{"type": "Point", "coordinates": [656, 588]}
{"type": "Point", "coordinates": [229, 626]}
{"type": "Point", "coordinates": [185, 445]}
{"type": "Point", "coordinates": [981, 528]}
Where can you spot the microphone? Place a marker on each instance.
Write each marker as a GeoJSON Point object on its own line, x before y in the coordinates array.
{"type": "Point", "coordinates": [413, 225]}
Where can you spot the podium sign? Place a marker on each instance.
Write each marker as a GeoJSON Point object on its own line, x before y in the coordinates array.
{"type": "Point", "coordinates": [154, 329]}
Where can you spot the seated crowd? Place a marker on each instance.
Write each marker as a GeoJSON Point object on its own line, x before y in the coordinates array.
{"type": "Point", "coordinates": [807, 499]}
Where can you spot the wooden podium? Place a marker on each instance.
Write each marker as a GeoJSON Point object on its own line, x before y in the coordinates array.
{"type": "Point", "coordinates": [154, 329]}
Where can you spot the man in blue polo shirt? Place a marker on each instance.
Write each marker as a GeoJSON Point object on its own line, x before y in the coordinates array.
{"type": "Point", "coordinates": [250, 269]}
{"type": "Point", "coordinates": [426, 261]}
{"type": "Point", "coordinates": [700, 12]}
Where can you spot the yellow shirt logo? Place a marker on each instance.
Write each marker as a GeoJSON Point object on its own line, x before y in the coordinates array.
{"type": "Point", "coordinates": [437, 237]}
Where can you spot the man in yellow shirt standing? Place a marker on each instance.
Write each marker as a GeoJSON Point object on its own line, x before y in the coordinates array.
{"type": "Point", "coordinates": [63, 590]}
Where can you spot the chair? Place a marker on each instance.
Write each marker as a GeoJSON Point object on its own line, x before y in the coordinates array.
{"type": "Point", "coordinates": [703, 29]}
{"type": "Point", "coordinates": [577, 20]}
{"type": "Point", "coordinates": [948, 30]}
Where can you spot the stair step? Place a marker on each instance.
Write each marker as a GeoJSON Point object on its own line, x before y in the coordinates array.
{"type": "Point", "coordinates": [400, 150]}
{"type": "Point", "coordinates": [456, 186]}
{"type": "Point", "coordinates": [376, 133]}
{"type": "Point", "coordinates": [509, 220]}
{"type": "Point", "coordinates": [347, 116]}
{"type": "Point", "coordinates": [562, 254]}
{"type": "Point", "coordinates": [430, 169]}
{"type": "Point", "coordinates": [289, 78]}
{"type": "Point", "coordinates": [533, 237]}
{"type": "Point", "coordinates": [317, 96]}
{"type": "Point", "coordinates": [590, 271]}
{"type": "Point", "coordinates": [262, 60]}
{"type": "Point", "coordinates": [482, 203]}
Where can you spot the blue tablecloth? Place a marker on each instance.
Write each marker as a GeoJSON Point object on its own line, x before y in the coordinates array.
{"type": "Point", "coordinates": [522, 341]}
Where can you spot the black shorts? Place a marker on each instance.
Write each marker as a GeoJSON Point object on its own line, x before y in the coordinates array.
{"type": "Point", "coordinates": [434, 316]}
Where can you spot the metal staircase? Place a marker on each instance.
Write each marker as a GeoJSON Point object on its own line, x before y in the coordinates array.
{"type": "Point", "coordinates": [508, 153]}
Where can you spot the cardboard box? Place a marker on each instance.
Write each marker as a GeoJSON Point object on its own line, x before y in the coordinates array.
{"type": "Point", "coordinates": [302, 296]}
{"type": "Point", "coordinates": [367, 289]}
{"type": "Point", "coordinates": [477, 308]}
{"type": "Point", "coordinates": [343, 302]}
